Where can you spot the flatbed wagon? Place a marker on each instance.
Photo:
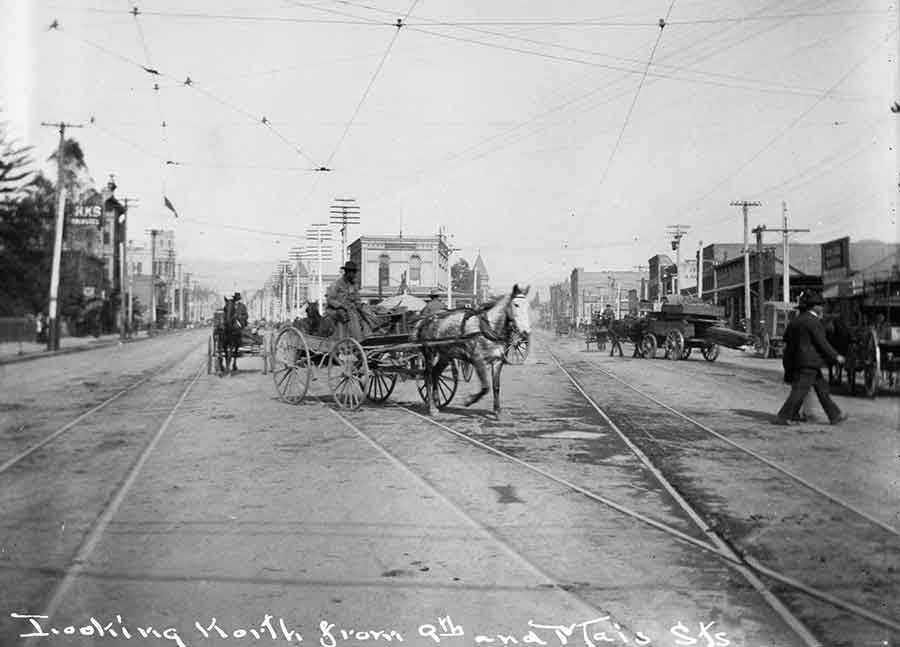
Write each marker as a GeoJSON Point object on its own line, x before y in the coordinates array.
{"type": "Point", "coordinates": [680, 328]}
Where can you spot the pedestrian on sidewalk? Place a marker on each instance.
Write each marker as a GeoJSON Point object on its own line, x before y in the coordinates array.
{"type": "Point", "coordinates": [806, 353]}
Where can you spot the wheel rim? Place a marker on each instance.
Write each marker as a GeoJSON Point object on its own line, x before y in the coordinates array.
{"type": "Point", "coordinates": [381, 385]}
{"type": "Point", "coordinates": [711, 352]}
{"type": "Point", "coordinates": [445, 387]}
{"type": "Point", "coordinates": [674, 345]}
{"type": "Point", "coordinates": [517, 352]}
{"type": "Point", "coordinates": [348, 373]}
{"type": "Point", "coordinates": [291, 366]}
{"type": "Point", "coordinates": [648, 346]}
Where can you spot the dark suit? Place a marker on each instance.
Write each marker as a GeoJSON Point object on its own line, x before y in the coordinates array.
{"type": "Point", "coordinates": [806, 353]}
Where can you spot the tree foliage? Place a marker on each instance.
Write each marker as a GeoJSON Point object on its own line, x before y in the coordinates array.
{"type": "Point", "coordinates": [461, 276]}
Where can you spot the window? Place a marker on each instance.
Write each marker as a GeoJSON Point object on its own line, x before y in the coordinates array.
{"type": "Point", "coordinates": [384, 271]}
{"type": "Point", "coordinates": [140, 268]}
{"type": "Point", "coordinates": [415, 270]}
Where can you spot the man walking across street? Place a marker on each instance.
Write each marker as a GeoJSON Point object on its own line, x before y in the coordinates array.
{"type": "Point", "coordinates": [806, 353]}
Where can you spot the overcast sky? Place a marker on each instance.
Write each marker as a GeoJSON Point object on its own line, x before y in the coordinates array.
{"type": "Point", "coordinates": [535, 131]}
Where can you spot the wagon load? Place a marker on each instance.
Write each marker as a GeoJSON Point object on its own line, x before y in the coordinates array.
{"type": "Point", "coordinates": [680, 327]}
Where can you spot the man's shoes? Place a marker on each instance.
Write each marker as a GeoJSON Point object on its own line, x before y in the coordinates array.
{"type": "Point", "coordinates": [784, 422]}
{"type": "Point", "coordinates": [840, 418]}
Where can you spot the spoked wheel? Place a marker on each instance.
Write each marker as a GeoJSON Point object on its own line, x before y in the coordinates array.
{"type": "Point", "coordinates": [648, 346]}
{"type": "Point", "coordinates": [291, 365]}
{"type": "Point", "coordinates": [348, 373]}
{"type": "Point", "coordinates": [444, 388]}
{"type": "Point", "coordinates": [872, 371]}
{"type": "Point", "coordinates": [710, 352]}
{"type": "Point", "coordinates": [674, 344]}
{"type": "Point", "coordinates": [381, 383]}
{"type": "Point", "coordinates": [465, 369]}
{"type": "Point", "coordinates": [517, 351]}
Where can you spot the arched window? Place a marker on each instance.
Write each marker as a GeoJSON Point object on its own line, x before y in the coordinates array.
{"type": "Point", "coordinates": [384, 271]}
{"type": "Point", "coordinates": [415, 269]}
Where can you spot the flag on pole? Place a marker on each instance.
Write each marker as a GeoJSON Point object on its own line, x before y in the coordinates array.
{"type": "Point", "coordinates": [168, 204]}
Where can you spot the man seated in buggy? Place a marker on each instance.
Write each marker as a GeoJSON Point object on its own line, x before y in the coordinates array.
{"type": "Point", "coordinates": [349, 316]}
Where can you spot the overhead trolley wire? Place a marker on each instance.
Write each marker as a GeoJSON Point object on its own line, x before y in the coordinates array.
{"type": "Point", "coordinates": [781, 133]}
{"type": "Point", "coordinates": [637, 92]}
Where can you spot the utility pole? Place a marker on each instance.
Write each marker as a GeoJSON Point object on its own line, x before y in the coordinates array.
{"type": "Point", "coordinates": [344, 213]}
{"type": "Point", "coordinates": [180, 297]}
{"type": "Point", "coordinates": [125, 273]}
{"type": "Point", "coordinates": [153, 234]}
{"type": "Point", "coordinates": [52, 310]}
{"type": "Point", "coordinates": [786, 252]}
{"type": "Point", "coordinates": [760, 297]}
{"type": "Point", "coordinates": [745, 206]}
{"type": "Point", "coordinates": [700, 267]}
{"type": "Point", "coordinates": [677, 232]}
{"type": "Point", "coordinates": [319, 233]}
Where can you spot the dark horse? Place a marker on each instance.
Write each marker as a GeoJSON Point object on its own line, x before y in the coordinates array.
{"type": "Point", "coordinates": [481, 337]}
{"type": "Point", "coordinates": [230, 337]}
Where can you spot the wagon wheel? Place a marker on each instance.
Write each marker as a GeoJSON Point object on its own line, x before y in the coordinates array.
{"type": "Point", "coordinates": [291, 365]}
{"type": "Point", "coordinates": [710, 352]}
{"type": "Point", "coordinates": [872, 371]}
{"type": "Point", "coordinates": [648, 346]}
{"type": "Point", "coordinates": [686, 353]}
{"type": "Point", "coordinates": [465, 369]}
{"type": "Point", "coordinates": [381, 383]}
{"type": "Point", "coordinates": [348, 373]}
{"type": "Point", "coordinates": [209, 356]}
{"type": "Point", "coordinates": [445, 387]}
{"type": "Point", "coordinates": [517, 351]}
{"type": "Point", "coordinates": [762, 344]}
{"type": "Point", "coordinates": [674, 344]}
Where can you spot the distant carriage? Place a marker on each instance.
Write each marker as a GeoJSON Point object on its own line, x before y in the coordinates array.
{"type": "Point", "coordinates": [865, 328]}
{"type": "Point", "coordinates": [252, 342]}
{"type": "Point", "coordinates": [679, 328]}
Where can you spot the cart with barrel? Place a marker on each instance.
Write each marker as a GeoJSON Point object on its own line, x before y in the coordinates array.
{"type": "Point", "coordinates": [679, 328]}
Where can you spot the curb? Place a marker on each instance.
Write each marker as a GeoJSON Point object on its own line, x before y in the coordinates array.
{"type": "Point", "coordinates": [27, 357]}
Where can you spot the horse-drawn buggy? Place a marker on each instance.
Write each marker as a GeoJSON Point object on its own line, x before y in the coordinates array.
{"type": "Point", "coordinates": [433, 350]}
{"type": "Point", "coordinates": [865, 328]}
{"type": "Point", "coordinates": [678, 328]}
{"type": "Point", "coordinates": [563, 326]}
{"type": "Point", "coordinates": [230, 340]}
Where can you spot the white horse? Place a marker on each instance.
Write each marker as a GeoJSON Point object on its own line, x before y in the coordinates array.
{"type": "Point", "coordinates": [485, 336]}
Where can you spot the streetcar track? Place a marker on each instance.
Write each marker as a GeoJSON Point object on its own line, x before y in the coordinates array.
{"type": "Point", "coordinates": [83, 416]}
{"type": "Point", "coordinates": [749, 452]}
{"type": "Point", "coordinates": [743, 563]}
{"type": "Point", "coordinates": [79, 560]}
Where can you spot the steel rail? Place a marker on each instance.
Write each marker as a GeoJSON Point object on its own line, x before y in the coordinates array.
{"type": "Point", "coordinates": [53, 436]}
{"type": "Point", "coordinates": [775, 466]}
{"type": "Point", "coordinates": [79, 559]}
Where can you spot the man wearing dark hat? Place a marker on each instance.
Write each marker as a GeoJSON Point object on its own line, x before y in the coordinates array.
{"type": "Point", "coordinates": [343, 301]}
{"type": "Point", "coordinates": [806, 353]}
{"type": "Point", "coordinates": [435, 304]}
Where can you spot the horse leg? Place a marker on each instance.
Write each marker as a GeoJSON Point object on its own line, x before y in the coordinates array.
{"type": "Point", "coordinates": [481, 370]}
{"type": "Point", "coordinates": [495, 375]}
{"type": "Point", "coordinates": [429, 383]}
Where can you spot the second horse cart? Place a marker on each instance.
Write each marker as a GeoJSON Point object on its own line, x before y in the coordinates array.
{"type": "Point", "coordinates": [678, 328]}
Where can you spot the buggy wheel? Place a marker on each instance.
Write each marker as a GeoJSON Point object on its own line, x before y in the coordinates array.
{"type": "Point", "coordinates": [465, 369]}
{"type": "Point", "coordinates": [674, 345]}
{"type": "Point", "coordinates": [872, 371]}
{"type": "Point", "coordinates": [517, 351]}
{"type": "Point", "coordinates": [762, 344]}
{"type": "Point", "coordinates": [710, 352]}
{"type": "Point", "coordinates": [648, 346]}
{"type": "Point", "coordinates": [444, 387]}
{"type": "Point", "coordinates": [348, 373]}
{"type": "Point", "coordinates": [381, 383]}
{"type": "Point", "coordinates": [291, 365]}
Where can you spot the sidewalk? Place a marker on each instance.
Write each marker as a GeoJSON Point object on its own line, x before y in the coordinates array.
{"type": "Point", "coordinates": [12, 352]}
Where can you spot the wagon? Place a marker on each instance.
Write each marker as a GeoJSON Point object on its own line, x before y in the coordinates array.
{"type": "Point", "coordinates": [563, 326]}
{"type": "Point", "coordinates": [872, 320]}
{"type": "Point", "coordinates": [357, 370]}
{"type": "Point", "coordinates": [252, 343]}
{"type": "Point", "coordinates": [768, 339]}
{"type": "Point", "coordinates": [681, 327]}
